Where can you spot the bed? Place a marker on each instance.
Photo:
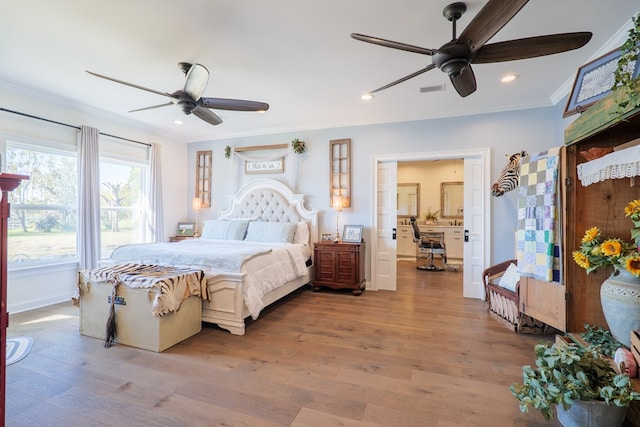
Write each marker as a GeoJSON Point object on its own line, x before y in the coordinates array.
{"type": "Point", "coordinates": [239, 288]}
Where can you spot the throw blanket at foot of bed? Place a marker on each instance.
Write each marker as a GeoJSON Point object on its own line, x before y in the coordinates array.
{"type": "Point", "coordinates": [174, 283]}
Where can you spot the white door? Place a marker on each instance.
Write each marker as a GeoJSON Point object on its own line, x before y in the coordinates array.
{"type": "Point", "coordinates": [383, 250]}
{"type": "Point", "coordinates": [474, 229]}
{"type": "Point", "coordinates": [384, 257]}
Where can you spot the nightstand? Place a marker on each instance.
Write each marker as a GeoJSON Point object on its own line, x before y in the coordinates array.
{"type": "Point", "coordinates": [339, 266]}
{"type": "Point", "coordinates": [179, 238]}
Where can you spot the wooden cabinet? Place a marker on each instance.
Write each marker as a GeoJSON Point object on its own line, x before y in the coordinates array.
{"type": "Point", "coordinates": [453, 242]}
{"type": "Point", "coordinates": [406, 245]}
{"type": "Point", "coordinates": [339, 266]}
{"type": "Point", "coordinates": [596, 205]}
{"type": "Point", "coordinates": [576, 301]}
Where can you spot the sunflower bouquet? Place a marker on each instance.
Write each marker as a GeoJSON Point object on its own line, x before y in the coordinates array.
{"type": "Point", "coordinates": [596, 251]}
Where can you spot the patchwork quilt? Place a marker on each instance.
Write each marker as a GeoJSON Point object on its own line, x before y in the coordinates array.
{"type": "Point", "coordinates": [538, 236]}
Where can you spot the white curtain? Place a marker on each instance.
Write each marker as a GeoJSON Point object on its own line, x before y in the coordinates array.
{"type": "Point", "coordinates": [154, 213]}
{"type": "Point", "coordinates": [89, 198]}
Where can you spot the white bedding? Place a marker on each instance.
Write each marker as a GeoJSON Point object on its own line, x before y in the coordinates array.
{"type": "Point", "coordinates": [266, 265]}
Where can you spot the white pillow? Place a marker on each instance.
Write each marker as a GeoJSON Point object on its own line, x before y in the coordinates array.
{"type": "Point", "coordinates": [273, 232]}
{"type": "Point", "coordinates": [302, 233]}
{"type": "Point", "coordinates": [510, 278]}
{"type": "Point", "coordinates": [224, 230]}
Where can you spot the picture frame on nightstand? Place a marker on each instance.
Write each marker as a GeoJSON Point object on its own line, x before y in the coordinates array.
{"type": "Point", "coordinates": [352, 234]}
{"type": "Point", "coordinates": [186, 229]}
{"type": "Point", "coordinates": [326, 237]}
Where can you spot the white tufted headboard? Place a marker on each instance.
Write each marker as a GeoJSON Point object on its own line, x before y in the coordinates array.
{"type": "Point", "coordinates": [272, 201]}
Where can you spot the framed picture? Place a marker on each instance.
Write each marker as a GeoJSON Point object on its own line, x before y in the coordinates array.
{"type": "Point", "coordinates": [186, 229]}
{"type": "Point", "coordinates": [326, 236]}
{"type": "Point", "coordinates": [352, 234]}
{"type": "Point", "coordinates": [264, 166]}
{"type": "Point", "coordinates": [594, 81]}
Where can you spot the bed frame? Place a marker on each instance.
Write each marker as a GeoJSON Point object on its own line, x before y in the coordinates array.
{"type": "Point", "coordinates": [260, 200]}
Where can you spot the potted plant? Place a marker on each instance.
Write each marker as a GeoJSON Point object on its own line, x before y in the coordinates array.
{"type": "Point", "coordinates": [620, 305]}
{"type": "Point", "coordinates": [431, 217]}
{"type": "Point", "coordinates": [298, 146]}
{"type": "Point", "coordinates": [578, 383]}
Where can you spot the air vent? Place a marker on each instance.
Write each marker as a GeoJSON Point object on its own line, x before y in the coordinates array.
{"type": "Point", "coordinates": [436, 88]}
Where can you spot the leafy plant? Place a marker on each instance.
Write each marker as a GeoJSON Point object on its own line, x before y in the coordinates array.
{"type": "Point", "coordinates": [623, 74]}
{"type": "Point", "coordinates": [568, 373]}
{"type": "Point", "coordinates": [601, 339]}
{"type": "Point", "coordinates": [431, 216]}
{"type": "Point", "coordinates": [227, 152]}
{"type": "Point", "coordinates": [298, 146]}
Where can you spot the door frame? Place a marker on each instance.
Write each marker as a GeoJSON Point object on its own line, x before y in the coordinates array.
{"type": "Point", "coordinates": [485, 157]}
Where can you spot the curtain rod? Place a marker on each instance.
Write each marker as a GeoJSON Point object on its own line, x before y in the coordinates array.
{"type": "Point", "coordinates": [71, 126]}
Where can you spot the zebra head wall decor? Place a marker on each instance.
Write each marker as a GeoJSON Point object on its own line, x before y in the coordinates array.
{"type": "Point", "coordinates": [509, 177]}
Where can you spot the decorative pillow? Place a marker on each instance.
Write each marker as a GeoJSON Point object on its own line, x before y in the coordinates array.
{"type": "Point", "coordinates": [224, 230]}
{"type": "Point", "coordinates": [275, 232]}
{"type": "Point", "coordinates": [302, 233]}
{"type": "Point", "coordinates": [510, 278]}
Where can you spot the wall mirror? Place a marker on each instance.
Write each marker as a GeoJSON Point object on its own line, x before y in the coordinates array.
{"type": "Point", "coordinates": [203, 178]}
{"type": "Point", "coordinates": [408, 200]}
{"type": "Point", "coordinates": [452, 199]}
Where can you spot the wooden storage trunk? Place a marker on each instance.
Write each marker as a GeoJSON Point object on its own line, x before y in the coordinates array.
{"type": "Point", "coordinates": [135, 324]}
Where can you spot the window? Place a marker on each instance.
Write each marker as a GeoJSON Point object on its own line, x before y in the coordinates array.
{"type": "Point", "coordinates": [121, 212]}
{"type": "Point", "coordinates": [43, 217]}
{"type": "Point", "coordinates": [44, 209]}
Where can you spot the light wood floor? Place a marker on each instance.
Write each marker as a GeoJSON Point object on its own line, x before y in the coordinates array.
{"type": "Point", "coordinates": [421, 356]}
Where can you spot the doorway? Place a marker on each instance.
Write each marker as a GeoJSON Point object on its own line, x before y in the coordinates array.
{"type": "Point", "coordinates": [476, 216]}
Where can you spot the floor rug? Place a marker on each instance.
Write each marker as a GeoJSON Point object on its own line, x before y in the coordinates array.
{"type": "Point", "coordinates": [18, 348]}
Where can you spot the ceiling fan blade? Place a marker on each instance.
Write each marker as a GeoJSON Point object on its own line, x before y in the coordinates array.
{"type": "Point", "coordinates": [233, 104]}
{"type": "Point", "coordinates": [465, 82]}
{"type": "Point", "coordinates": [207, 115]}
{"type": "Point", "coordinates": [530, 47]}
{"type": "Point", "coordinates": [392, 44]}
{"type": "Point", "coordinates": [405, 78]}
{"type": "Point", "coordinates": [130, 84]}
{"type": "Point", "coordinates": [491, 18]}
{"type": "Point", "coordinates": [151, 107]}
{"type": "Point", "coordinates": [196, 80]}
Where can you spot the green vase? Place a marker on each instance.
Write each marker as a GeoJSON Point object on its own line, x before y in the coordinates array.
{"type": "Point", "coordinates": [620, 300]}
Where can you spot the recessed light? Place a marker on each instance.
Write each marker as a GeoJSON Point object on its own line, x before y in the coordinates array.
{"type": "Point", "coordinates": [508, 78]}
{"type": "Point", "coordinates": [178, 122]}
{"type": "Point", "coordinates": [366, 97]}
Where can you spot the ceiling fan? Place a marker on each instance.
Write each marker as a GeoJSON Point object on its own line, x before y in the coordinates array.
{"type": "Point", "coordinates": [455, 57]}
{"type": "Point", "coordinates": [189, 97]}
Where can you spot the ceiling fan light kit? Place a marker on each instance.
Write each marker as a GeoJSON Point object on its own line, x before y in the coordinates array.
{"type": "Point", "coordinates": [189, 99]}
{"type": "Point", "coordinates": [455, 57]}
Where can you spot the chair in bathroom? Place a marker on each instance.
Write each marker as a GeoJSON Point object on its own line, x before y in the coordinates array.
{"type": "Point", "coordinates": [430, 244]}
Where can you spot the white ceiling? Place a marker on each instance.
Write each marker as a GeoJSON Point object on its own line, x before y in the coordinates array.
{"type": "Point", "coordinates": [296, 55]}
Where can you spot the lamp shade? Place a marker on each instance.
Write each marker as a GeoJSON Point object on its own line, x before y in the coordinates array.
{"type": "Point", "coordinates": [196, 203]}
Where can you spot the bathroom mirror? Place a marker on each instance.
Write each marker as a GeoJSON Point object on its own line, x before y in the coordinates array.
{"type": "Point", "coordinates": [452, 199]}
{"type": "Point", "coordinates": [408, 200]}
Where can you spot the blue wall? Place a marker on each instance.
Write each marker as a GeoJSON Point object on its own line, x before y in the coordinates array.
{"type": "Point", "coordinates": [532, 130]}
